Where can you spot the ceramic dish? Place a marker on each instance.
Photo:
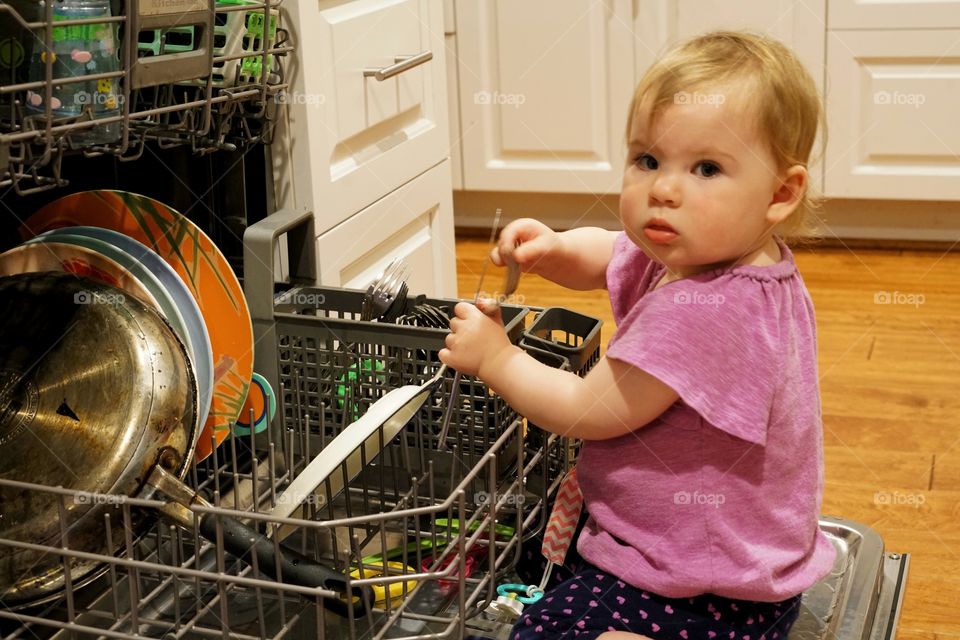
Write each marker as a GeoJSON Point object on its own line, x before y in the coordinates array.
{"type": "Point", "coordinates": [390, 413]}
{"type": "Point", "coordinates": [204, 271]}
{"type": "Point", "coordinates": [178, 291]}
{"type": "Point", "coordinates": [176, 303]}
{"type": "Point", "coordinates": [68, 258]}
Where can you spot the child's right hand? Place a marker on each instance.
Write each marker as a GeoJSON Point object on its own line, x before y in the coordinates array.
{"type": "Point", "coordinates": [527, 242]}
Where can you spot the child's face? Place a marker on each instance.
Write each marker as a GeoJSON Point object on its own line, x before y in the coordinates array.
{"type": "Point", "coordinates": [699, 183]}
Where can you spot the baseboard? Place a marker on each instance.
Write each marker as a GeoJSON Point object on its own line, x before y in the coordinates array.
{"type": "Point", "coordinates": [894, 224]}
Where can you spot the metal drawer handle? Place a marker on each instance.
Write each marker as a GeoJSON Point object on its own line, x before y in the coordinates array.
{"type": "Point", "coordinates": [401, 64]}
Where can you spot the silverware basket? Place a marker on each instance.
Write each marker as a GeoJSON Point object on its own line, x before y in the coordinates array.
{"type": "Point", "coordinates": [332, 367]}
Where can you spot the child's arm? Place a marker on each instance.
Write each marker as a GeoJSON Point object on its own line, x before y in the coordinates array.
{"type": "Point", "coordinates": [614, 399]}
{"type": "Point", "coordinates": [576, 259]}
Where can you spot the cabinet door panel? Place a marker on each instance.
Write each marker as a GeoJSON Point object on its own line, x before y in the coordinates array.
{"type": "Point", "coordinates": [893, 99]}
{"type": "Point", "coordinates": [345, 140]}
{"type": "Point", "coordinates": [894, 14]}
{"type": "Point", "coordinates": [453, 111]}
{"type": "Point", "coordinates": [544, 89]}
{"type": "Point", "coordinates": [414, 222]}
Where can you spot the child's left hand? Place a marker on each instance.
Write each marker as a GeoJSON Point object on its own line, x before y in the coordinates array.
{"type": "Point", "coordinates": [477, 337]}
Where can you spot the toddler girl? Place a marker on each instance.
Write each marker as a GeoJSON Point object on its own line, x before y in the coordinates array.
{"type": "Point", "coordinates": [701, 467]}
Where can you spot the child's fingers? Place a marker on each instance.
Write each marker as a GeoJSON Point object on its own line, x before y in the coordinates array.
{"type": "Point", "coordinates": [462, 310]}
{"type": "Point", "coordinates": [490, 308]}
{"type": "Point", "coordinates": [495, 256]}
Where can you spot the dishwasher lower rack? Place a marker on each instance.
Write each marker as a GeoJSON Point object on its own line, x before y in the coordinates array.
{"type": "Point", "coordinates": [432, 545]}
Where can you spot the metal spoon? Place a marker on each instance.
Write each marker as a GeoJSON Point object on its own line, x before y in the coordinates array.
{"type": "Point", "coordinates": [448, 413]}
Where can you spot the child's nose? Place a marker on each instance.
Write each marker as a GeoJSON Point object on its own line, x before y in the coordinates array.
{"type": "Point", "coordinates": [665, 190]}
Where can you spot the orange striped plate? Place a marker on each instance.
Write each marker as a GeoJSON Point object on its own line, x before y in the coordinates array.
{"type": "Point", "coordinates": [203, 269]}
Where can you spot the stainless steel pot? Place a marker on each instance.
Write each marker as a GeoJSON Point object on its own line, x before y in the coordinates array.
{"type": "Point", "coordinates": [97, 395]}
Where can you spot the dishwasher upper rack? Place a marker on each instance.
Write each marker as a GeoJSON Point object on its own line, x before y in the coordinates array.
{"type": "Point", "coordinates": [172, 100]}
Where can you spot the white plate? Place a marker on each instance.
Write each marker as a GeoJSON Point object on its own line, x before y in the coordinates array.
{"type": "Point", "coordinates": [393, 411]}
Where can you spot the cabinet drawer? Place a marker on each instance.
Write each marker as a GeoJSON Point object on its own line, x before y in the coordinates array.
{"type": "Point", "coordinates": [894, 14]}
{"type": "Point", "coordinates": [415, 222]}
{"type": "Point", "coordinates": [349, 138]}
{"type": "Point", "coordinates": [893, 97]}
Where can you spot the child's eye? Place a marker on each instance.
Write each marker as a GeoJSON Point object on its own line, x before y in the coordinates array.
{"type": "Point", "coordinates": [707, 169]}
{"type": "Point", "coordinates": [647, 162]}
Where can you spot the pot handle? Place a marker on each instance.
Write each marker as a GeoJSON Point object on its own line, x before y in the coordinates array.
{"type": "Point", "coordinates": [245, 542]}
{"type": "Point", "coordinates": [296, 568]}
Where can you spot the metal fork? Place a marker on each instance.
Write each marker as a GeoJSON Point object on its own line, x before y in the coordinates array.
{"type": "Point", "coordinates": [384, 289]}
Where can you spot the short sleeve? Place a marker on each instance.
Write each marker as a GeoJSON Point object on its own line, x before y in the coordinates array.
{"type": "Point", "coordinates": [629, 275]}
{"type": "Point", "coordinates": [715, 343]}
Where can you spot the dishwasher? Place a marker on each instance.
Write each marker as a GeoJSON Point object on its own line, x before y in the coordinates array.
{"type": "Point", "coordinates": [430, 532]}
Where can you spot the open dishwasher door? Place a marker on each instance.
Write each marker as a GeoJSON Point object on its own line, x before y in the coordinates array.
{"type": "Point", "coordinates": [861, 598]}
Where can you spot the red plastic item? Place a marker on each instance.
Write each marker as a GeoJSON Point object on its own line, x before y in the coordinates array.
{"type": "Point", "coordinates": [474, 557]}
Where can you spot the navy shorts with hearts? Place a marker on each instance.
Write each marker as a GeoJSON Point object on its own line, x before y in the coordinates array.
{"type": "Point", "coordinates": [593, 602]}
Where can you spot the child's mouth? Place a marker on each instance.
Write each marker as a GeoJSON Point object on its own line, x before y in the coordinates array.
{"type": "Point", "coordinates": [659, 232]}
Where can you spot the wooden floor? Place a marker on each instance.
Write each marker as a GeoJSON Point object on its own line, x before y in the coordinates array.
{"type": "Point", "coordinates": [890, 383]}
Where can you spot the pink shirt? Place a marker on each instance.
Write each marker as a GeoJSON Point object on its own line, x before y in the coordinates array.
{"type": "Point", "coordinates": [721, 493]}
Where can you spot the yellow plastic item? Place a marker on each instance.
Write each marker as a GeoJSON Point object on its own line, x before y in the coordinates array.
{"type": "Point", "coordinates": [395, 588]}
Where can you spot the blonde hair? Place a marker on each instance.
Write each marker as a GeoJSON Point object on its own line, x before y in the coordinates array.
{"type": "Point", "coordinates": [783, 96]}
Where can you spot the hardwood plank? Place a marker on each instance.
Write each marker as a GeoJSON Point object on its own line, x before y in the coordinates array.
{"type": "Point", "coordinates": [946, 467]}
{"type": "Point", "coordinates": [848, 465]}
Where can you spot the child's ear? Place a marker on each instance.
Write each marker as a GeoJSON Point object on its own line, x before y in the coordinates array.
{"type": "Point", "coordinates": [789, 193]}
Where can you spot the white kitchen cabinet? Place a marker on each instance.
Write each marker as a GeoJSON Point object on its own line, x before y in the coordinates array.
{"type": "Point", "coordinates": [544, 90]}
{"type": "Point", "coordinates": [415, 223]}
{"type": "Point", "coordinates": [893, 102]}
{"type": "Point", "coordinates": [545, 86]}
{"type": "Point", "coordinates": [894, 14]}
{"type": "Point", "coordinates": [889, 72]}
{"type": "Point", "coordinates": [347, 139]}
{"type": "Point", "coordinates": [368, 154]}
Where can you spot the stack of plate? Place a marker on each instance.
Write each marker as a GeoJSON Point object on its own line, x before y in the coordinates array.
{"type": "Point", "coordinates": [153, 253]}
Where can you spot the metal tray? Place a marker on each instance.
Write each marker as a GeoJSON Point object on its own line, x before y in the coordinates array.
{"type": "Point", "coordinates": [861, 598]}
